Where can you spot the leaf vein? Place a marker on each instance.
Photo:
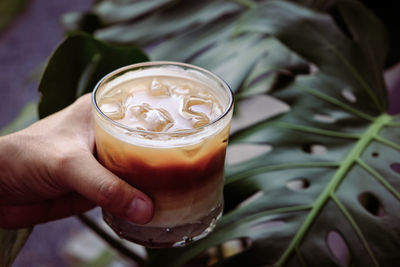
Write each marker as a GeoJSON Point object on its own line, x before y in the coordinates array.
{"type": "Point", "coordinates": [336, 102]}
{"type": "Point", "coordinates": [379, 177]}
{"type": "Point", "coordinates": [248, 173]}
{"type": "Point", "coordinates": [355, 227]}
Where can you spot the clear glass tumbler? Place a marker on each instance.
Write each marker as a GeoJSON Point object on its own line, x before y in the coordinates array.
{"type": "Point", "coordinates": [182, 171]}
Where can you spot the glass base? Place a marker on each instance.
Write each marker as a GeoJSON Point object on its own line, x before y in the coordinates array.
{"type": "Point", "coordinates": [164, 237]}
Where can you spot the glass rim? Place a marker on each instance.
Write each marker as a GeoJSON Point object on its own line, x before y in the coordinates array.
{"type": "Point", "coordinates": [161, 63]}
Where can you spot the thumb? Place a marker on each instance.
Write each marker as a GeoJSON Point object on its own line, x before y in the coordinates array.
{"type": "Point", "coordinates": [85, 175]}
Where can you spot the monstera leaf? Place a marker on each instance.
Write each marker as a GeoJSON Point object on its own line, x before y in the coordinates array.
{"type": "Point", "coordinates": [326, 193]}
{"type": "Point", "coordinates": [203, 33]}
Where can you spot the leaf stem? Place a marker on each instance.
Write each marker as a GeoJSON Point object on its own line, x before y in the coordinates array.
{"type": "Point", "coordinates": [345, 166]}
{"type": "Point", "coordinates": [394, 123]}
{"type": "Point", "coordinates": [254, 171]}
{"type": "Point", "coordinates": [262, 214]}
{"type": "Point", "coordinates": [316, 130]}
{"type": "Point", "coordinates": [355, 227]}
{"type": "Point", "coordinates": [110, 240]}
{"type": "Point", "coordinates": [300, 257]}
{"type": "Point", "coordinates": [387, 142]}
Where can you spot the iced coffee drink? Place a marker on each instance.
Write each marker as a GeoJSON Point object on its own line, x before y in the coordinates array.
{"type": "Point", "coordinates": [163, 127]}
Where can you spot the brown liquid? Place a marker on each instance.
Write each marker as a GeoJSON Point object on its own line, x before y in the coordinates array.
{"type": "Point", "coordinates": [185, 183]}
{"type": "Point", "coordinates": [185, 180]}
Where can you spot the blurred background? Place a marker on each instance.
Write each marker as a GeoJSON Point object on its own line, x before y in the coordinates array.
{"type": "Point", "coordinates": [25, 45]}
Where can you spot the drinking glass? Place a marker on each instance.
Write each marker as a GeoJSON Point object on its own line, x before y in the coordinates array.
{"type": "Point", "coordinates": [182, 171]}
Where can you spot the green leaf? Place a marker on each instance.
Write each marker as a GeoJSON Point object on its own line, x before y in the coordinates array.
{"type": "Point", "coordinates": [11, 243]}
{"type": "Point", "coordinates": [333, 171]}
{"type": "Point", "coordinates": [77, 65]}
{"type": "Point", "coordinates": [358, 61]}
{"type": "Point", "coordinates": [9, 9]}
{"type": "Point", "coordinates": [165, 23]}
{"type": "Point", "coordinates": [112, 12]}
{"type": "Point", "coordinates": [349, 190]}
{"type": "Point", "coordinates": [202, 33]}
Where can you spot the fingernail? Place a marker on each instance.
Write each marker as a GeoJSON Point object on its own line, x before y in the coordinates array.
{"type": "Point", "coordinates": [139, 211]}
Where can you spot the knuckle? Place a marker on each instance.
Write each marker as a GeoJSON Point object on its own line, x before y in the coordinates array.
{"type": "Point", "coordinates": [109, 194]}
{"type": "Point", "coordinates": [64, 160]}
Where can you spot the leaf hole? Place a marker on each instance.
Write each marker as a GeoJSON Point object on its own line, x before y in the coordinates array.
{"type": "Point", "coordinates": [395, 167]}
{"type": "Point", "coordinates": [371, 204]}
{"type": "Point", "coordinates": [313, 68]}
{"type": "Point", "coordinates": [227, 249]}
{"type": "Point", "coordinates": [349, 95]}
{"type": "Point", "coordinates": [324, 118]}
{"type": "Point", "coordinates": [235, 246]}
{"type": "Point", "coordinates": [251, 198]}
{"type": "Point", "coordinates": [338, 248]}
{"type": "Point", "coordinates": [375, 154]}
{"type": "Point", "coordinates": [298, 184]}
{"type": "Point", "coordinates": [312, 148]}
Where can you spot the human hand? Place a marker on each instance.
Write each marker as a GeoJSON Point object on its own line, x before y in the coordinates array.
{"type": "Point", "coordinates": [48, 171]}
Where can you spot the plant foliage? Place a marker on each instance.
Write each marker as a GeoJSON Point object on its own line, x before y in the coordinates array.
{"type": "Point", "coordinates": [327, 194]}
{"type": "Point", "coordinates": [76, 66]}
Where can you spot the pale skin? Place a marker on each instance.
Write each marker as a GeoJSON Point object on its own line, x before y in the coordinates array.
{"type": "Point", "coordinates": [48, 171]}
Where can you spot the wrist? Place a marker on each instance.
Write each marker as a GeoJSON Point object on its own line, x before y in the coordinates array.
{"type": "Point", "coordinates": [10, 149]}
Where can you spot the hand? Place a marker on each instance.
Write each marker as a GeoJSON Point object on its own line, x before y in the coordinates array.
{"type": "Point", "coordinates": [48, 171]}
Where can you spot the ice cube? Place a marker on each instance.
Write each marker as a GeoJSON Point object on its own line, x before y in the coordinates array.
{"type": "Point", "coordinates": [137, 112]}
{"type": "Point", "coordinates": [177, 90]}
{"type": "Point", "coordinates": [119, 96]}
{"type": "Point", "coordinates": [193, 106]}
{"type": "Point", "coordinates": [149, 118]}
{"type": "Point", "coordinates": [199, 105]}
{"type": "Point", "coordinates": [113, 110]}
{"type": "Point", "coordinates": [199, 121]}
{"type": "Point", "coordinates": [159, 89]}
{"type": "Point", "coordinates": [159, 120]}
{"type": "Point", "coordinates": [197, 110]}
{"type": "Point", "coordinates": [112, 104]}
{"type": "Point", "coordinates": [205, 95]}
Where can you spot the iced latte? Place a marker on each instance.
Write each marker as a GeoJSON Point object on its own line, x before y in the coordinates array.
{"type": "Point", "coordinates": [163, 127]}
